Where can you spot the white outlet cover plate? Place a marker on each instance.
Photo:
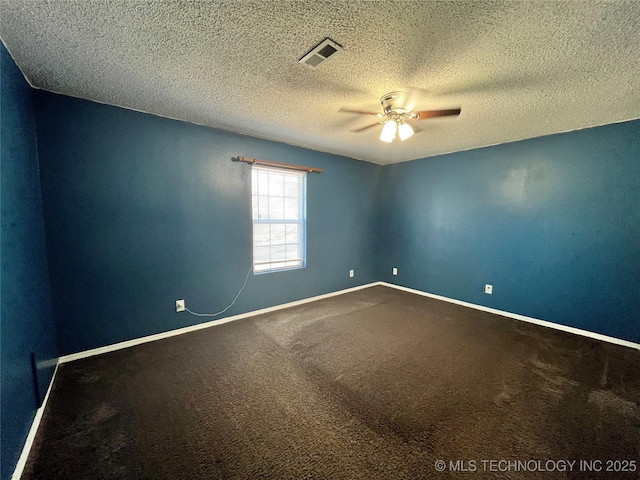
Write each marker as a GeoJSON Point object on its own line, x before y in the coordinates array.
{"type": "Point", "coordinates": [395, 271]}
{"type": "Point", "coordinates": [180, 306]}
{"type": "Point", "coordinates": [488, 289]}
{"type": "Point", "coordinates": [351, 273]}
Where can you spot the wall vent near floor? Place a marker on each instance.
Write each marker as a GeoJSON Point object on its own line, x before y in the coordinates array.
{"type": "Point", "coordinates": [321, 52]}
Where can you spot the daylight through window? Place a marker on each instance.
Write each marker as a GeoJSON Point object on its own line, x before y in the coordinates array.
{"type": "Point", "coordinates": [279, 219]}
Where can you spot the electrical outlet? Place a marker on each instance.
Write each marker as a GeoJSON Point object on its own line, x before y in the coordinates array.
{"type": "Point", "coordinates": [488, 289]}
{"type": "Point", "coordinates": [180, 306]}
{"type": "Point", "coordinates": [352, 273]}
{"type": "Point", "coordinates": [395, 271]}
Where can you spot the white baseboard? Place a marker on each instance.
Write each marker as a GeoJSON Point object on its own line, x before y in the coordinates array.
{"type": "Point", "coordinates": [544, 323]}
{"type": "Point", "coordinates": [28, 443]}
{"type": "Point", "coordinates": [212, 323]}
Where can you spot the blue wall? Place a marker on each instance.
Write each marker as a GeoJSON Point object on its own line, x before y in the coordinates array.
{"type": "Point", "coordinates": [142, 211]}
{"type": "Point", "coordinates": [25, 307]}
{"type": "Point", "coordinates": [553, 223]}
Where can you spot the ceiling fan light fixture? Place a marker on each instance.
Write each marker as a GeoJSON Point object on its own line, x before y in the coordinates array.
{"type": "Point", "coordinates": [389, 131]}
{"type": "Point", "coordinates": [405, 131]}
{"type": "Point", "coordinates": [396, 115]}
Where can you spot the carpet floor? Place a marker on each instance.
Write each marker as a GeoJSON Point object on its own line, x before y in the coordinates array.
{"type": "Point", "coordinates": [373, 384]}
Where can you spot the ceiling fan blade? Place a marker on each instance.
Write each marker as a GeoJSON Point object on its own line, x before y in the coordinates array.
{"type": "Point", "coordinates": [365, 128]}
{"type": "Point", "coordinates": [362, 112]}
{"type": "Point", "coordinates": [425, 114]}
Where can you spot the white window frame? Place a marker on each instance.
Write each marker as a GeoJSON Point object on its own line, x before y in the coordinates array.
{"type": "Point", "coordinates": [263, 215]}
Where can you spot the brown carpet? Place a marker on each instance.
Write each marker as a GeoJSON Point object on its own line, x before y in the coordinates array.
{"type": "Point", "coordinates": [375, 384]}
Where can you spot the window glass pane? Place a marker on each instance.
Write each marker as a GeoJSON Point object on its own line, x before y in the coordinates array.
{"type": "Point", "coordinates": [263, 208]}
{"type": "Point", "coordinates": [276, 184]}
{"type": "Point", "coordinates": [278, 252]}
{"type": "Point", "coordinates": [291, 208]}
{"type": "Point", "coordinates": [254, 181]}
{"type": "Point", "coordinates": [278, 216]}
{"type": "Point", "coordinates": [276, 208]}
{"type": "Point", "coordinates": [263, 182]}
{"type": "Point", "coordinates": [254, 207]}
{"type": "Point", "coordinates": [261, 234]}
{"type": "Point", "coordinates": [292, 252]}
{"type": "Point", "coordinates": [292, 186]}
{"type": "Point", "coordinates": [261, 254]}
{"type": "Point", "coordinates": [292, 233]}
{"type": "Point", "coordinates": [277, 234]}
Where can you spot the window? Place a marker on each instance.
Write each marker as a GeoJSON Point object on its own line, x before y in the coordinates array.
{"type": "Point", "coordinates": [279, 219]}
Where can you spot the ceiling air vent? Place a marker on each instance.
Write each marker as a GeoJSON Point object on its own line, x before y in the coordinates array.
{"type": "Point", "coordinates": [317, 55]}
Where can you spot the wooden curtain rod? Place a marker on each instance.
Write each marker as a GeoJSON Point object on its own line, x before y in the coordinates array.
{"type": "Point", "coordinates": [255, 161]}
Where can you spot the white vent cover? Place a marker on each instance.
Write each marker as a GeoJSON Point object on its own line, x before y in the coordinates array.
{"type": "Point", "coordinates": [317, 55]}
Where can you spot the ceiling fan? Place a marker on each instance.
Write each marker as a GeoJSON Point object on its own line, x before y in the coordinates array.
{"type": "Point", "coordinates": [396, 113]}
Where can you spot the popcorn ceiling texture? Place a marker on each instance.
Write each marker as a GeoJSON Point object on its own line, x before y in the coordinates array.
{"type": "Point", "coordinates": [517, 69]}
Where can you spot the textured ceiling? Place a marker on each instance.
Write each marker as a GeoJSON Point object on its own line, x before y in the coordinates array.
{"type": "Point", "coordinates": [517, 69]}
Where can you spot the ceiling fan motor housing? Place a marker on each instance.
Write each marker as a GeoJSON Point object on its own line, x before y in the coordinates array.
{"type": "Point", "coordinates": [394, 106]}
